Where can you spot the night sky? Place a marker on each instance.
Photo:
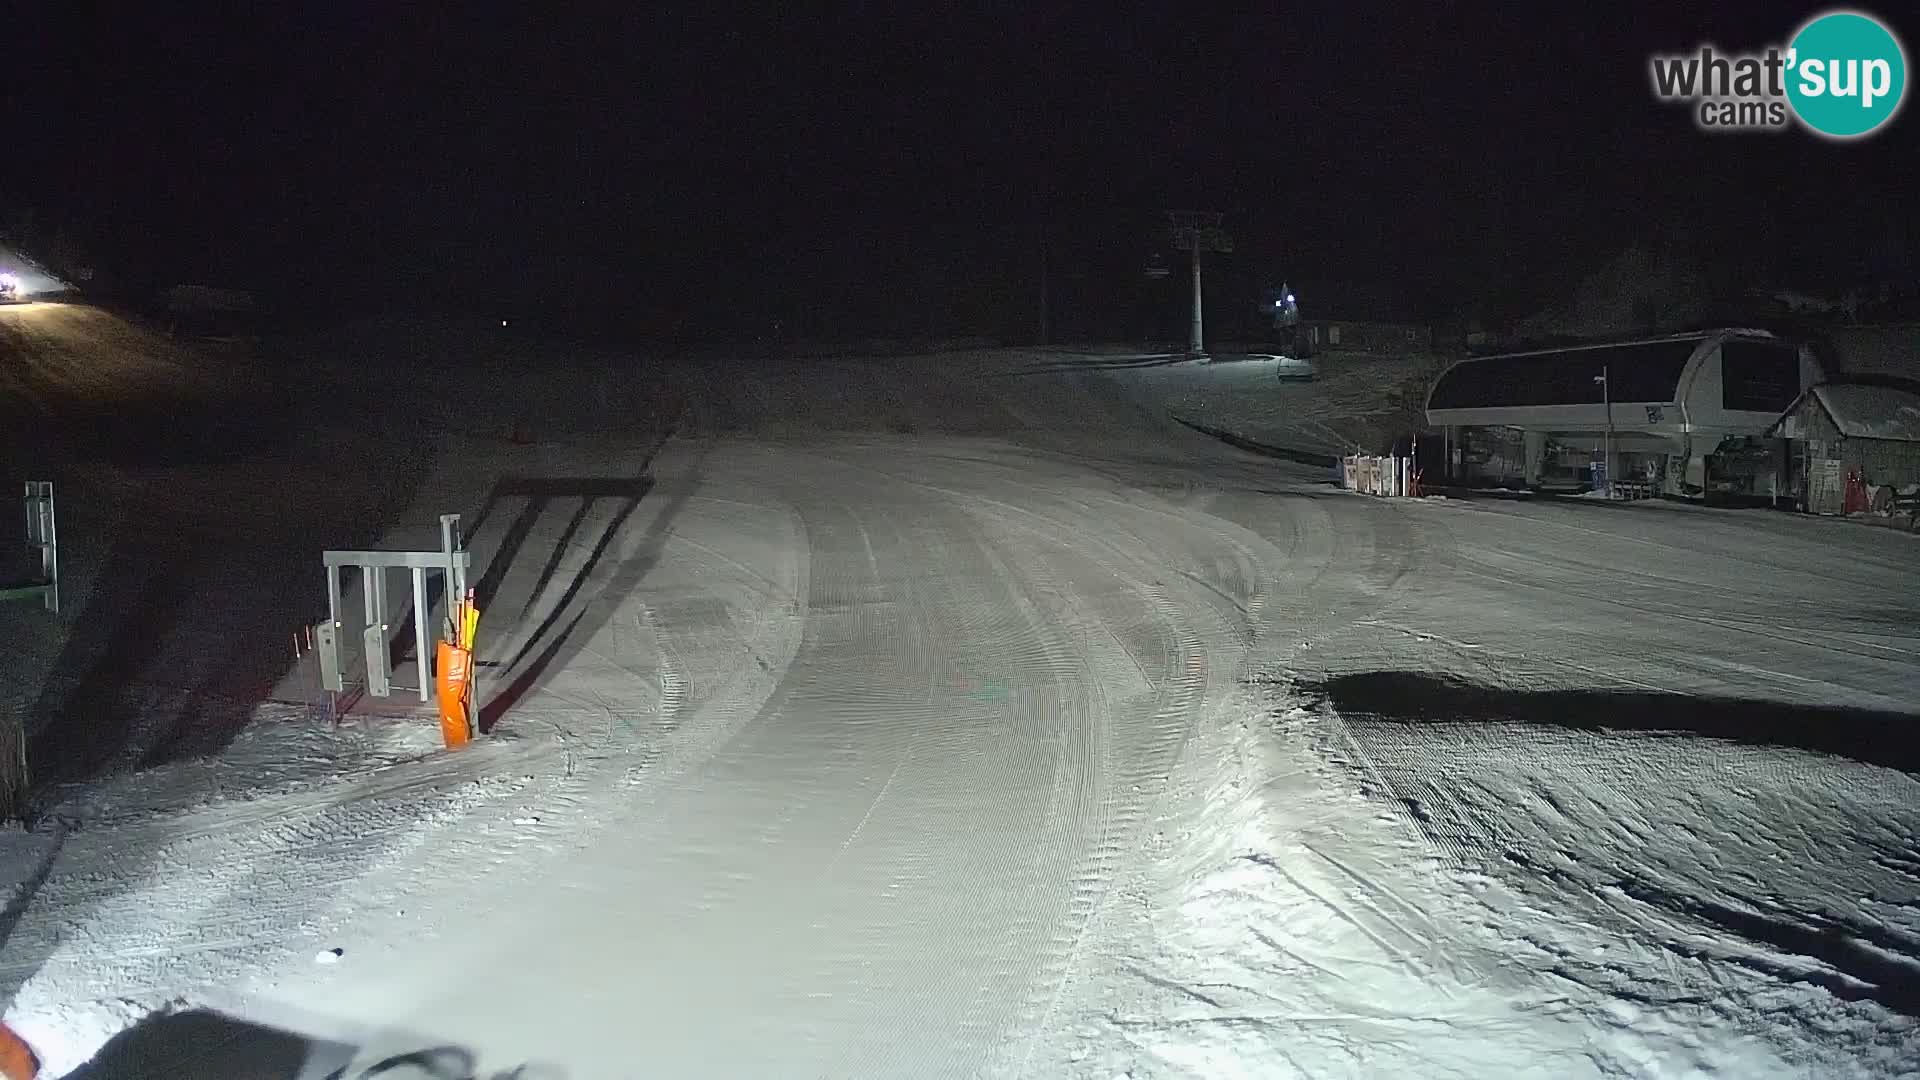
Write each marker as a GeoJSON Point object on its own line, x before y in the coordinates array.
{"type": "Point", "coordinates": [892, 165]}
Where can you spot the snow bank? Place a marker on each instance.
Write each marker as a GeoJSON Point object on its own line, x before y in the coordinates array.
{"type": "Point", "coordinates": [1772, 890]}
{"type": "Point", "coordinates": [1354, 402]}
{"type": "Point", "coordinates": [1449, 900]}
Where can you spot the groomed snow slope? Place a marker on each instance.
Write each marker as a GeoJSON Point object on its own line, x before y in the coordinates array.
{"type": "Point", "coordinates": [916, 718]}
{"type": "Point", "coordinates": [1355, 401]}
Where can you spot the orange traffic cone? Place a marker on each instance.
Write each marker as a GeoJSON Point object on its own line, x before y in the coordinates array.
{"type": "Point", "coordinates": [17, 1061]}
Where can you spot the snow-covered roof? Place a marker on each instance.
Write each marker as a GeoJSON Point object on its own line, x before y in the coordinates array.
{"type": "Point", "coordinates": [1872, 412]}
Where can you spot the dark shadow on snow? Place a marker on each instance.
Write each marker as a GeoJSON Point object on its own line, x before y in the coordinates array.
{"type": "Point", "coordinates": [1098, 363]}
{"type": "Point", "coordinates": [1868, 964]}
{"type": "Point", "coordinates": [539, 493]}
{"type": "Point", "coordinates": [552, 565]}
{"type": "Point", "coordinates": [178, 640]}
{"type": "Point", "coordinates": [630, 502]}
{"type": "Point", "coordinates": [1303, 457]}
{"type": "Point", "coordinates": [589, 616]}
{"type": "Point", "coordinates": [1873, 736]}
{"type": "Point", "coordinates": [16, 907]}
{"type": "Point", "coordinates": [549, 641]}
{"type": "Point", "coordinates": [214, 1046]}
{"type": "Point", "coordinates": [1852, 959]}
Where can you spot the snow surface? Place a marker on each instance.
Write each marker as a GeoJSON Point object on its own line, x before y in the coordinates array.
{"type": "Point", "coordinates": [951, 716]}
{"type": "Point", "coordinates": [1355, 403]}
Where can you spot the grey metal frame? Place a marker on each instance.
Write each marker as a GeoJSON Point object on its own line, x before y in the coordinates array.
{"type": "Point", "coordinates": [43, 533]}
{"type": "Point", "coordinates": [451, 560]}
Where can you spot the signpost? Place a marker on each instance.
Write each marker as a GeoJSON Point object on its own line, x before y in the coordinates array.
{"type": "Point", "coordinates": [1604, 474]}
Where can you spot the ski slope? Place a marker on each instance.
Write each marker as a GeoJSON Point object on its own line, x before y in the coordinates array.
{"type": "Point", "coordinates": [929, 716]}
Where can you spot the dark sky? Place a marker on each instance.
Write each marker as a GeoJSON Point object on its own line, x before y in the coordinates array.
{"type": "Point", "coordinates": [860, 156]}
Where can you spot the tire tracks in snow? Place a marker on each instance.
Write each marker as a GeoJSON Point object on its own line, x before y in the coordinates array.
{"type": "Point", "coordinates": [1086, 819]}
{"type": "Point", "coordinates": [1180, 691]}
{"type": "Point", "coordinates": [1364, 906]}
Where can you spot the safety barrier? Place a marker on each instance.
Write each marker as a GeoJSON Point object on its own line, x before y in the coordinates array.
{"type": "Point", "coordinates": [1369, 475]}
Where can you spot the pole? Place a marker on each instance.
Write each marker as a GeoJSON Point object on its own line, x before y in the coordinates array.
{"type": "Point", "coordinates": [1195, 345]}
{"type": "Point", "coordinates": [333, 633]}
{"type": "Point", "coordinates": [1046, 312]}
{"type": "Point", "coordinates": [450, 542]}
{"type": "Point", "coordinates": [422, 637]}
{"type": "Point", "coordinates": [1606, 453]}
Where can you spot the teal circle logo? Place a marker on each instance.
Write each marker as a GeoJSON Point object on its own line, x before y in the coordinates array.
{"type": "Point", "coordinates": [1846, 74]}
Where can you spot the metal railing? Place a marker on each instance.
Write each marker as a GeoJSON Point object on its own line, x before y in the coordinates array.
{"type": "Point", "coordinates": [43, 534]}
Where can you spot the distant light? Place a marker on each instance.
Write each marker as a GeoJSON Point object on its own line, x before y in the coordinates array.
{"type": "Point", "coordinates": [503, 322]}
{"type": "Point", "coordinates": [1279, 303]}
{"type": "Point", "coordinates": [1289, 298]}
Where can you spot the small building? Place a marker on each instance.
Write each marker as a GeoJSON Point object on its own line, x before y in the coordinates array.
{"type": "Point", "coordinates": [1343, 335]}
{"type": "Point", "coordinates": [1838, 431]}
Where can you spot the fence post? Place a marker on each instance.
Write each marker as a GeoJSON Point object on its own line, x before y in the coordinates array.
{"type": "Point", "coordinates": [13, 758]}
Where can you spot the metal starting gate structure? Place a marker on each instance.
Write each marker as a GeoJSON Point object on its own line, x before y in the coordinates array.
{"type": "Point", "coordinates": [452, 560]}
{"type": "Point", "coordinates": [43, 534]}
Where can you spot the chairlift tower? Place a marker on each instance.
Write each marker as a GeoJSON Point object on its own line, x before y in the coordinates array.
{"type": "Point", "coordinates": [1195, 231]}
